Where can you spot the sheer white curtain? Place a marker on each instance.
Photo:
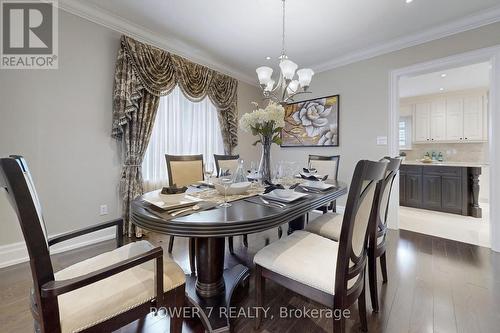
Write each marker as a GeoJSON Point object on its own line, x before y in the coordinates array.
{"type": "Point", "coordinates": [181, 127]}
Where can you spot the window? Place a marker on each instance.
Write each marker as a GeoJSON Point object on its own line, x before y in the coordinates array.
{"type": "Point", "coordinates": [405, 132]}
{"type": "Point", "coordinates": [181, 127]}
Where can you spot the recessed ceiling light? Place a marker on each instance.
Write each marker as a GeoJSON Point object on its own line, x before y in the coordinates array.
{"type": "Point", "coordinates": [409, 1]}
{"type": "Point", "coordinates": [444, 75]}
{"type": "Point", "coordinates": [268, 58]}
{"type": "Point", "coordinates": [441, 89]}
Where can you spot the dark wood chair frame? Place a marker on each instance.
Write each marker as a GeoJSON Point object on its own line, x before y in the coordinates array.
{"type": "Point", "coordinates": [344, 296]}
{"type": "Point", "coordinates": [333, 204]}
{"type": "Point", "coordinates": [44, 304]}
{"type": "Point", "coordinates": [192, 243]}
{"type": "Point", "coordinates": [377, 249]}
{"type": "Point", "coordinates": [218, 158]}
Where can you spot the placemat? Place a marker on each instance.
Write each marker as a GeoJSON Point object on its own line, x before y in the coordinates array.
{"type": "Point", "coordinates": [165, 215]}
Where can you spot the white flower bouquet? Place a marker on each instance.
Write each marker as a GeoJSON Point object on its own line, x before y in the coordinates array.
{"type": "Point", "coordinates": [267, 123]}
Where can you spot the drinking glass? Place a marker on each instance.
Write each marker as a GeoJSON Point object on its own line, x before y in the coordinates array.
{"type": "Point", "coordinates": [209, 171]}
{"type": "Point", "coordinates": [226, 182]}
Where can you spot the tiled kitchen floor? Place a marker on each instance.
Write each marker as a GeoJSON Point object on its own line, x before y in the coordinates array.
{"type": "Point", "coordinates": [450, 226]}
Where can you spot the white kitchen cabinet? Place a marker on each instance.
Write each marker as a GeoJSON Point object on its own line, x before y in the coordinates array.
{"type": "Point", "coordinates": [422, 122]}
{"type": "Point", "coordinates": [473, 118]}
{"type": "Point", "coordinates": [454, 119]}
{"type": "Point", "coordinates": [438, 120]}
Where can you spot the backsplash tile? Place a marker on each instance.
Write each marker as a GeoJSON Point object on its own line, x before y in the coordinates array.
{"type": "Point", "coordinates": [452, 152]}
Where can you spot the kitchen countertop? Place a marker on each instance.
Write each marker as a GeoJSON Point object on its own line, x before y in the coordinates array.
{"type": "Point", "coordinates": [445, 163]}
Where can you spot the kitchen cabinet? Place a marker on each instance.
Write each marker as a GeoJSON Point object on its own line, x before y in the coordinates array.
{"type": "Point", "coordinates": [473, 118]}
{"type": "Point", "coordinates": [456, 118]}
{"type": "Point", "coordinates": [422, 122]}
{"type": "Point", "coordinates": [447, 189]}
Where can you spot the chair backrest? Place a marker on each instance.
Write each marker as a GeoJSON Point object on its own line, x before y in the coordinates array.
{"type": "Point", "coordinates": [358, 218]}
{"type": "Point", "coordinates": [226, 162]}
{"type": "Point", "coordinates": [184, 170]}
{"type": "Point", "coordinates": [380, 226]}
{"type": "Point", "coordinates": [325, 165]}
{"type": "Point", "coordinates": [16, 178]}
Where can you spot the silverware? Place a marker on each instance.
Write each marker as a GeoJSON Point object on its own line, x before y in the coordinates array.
{"type": "Point", "coordinates": [310, 190]}
{"type": "Point", "coordinates": [192, 208]}
{"type": "Point", "coordinates": [294, 186]}
{"type": "Point", "coordinates": [273, 203]}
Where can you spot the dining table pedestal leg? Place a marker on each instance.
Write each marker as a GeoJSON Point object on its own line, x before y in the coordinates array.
{"type": "Point", "coordinates": [211, 290]}
{"type": "Point", "coordinates": [296, 224]}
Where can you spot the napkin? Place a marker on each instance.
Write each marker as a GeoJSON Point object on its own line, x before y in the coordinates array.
{"type": "Point", "coordinates": [314, 178]}
{"type": "Point", "coordinates": [269, 187]}
{"type": "Point", "coordinates": [173, 189]}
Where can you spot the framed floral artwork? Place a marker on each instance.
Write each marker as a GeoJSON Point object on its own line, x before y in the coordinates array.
{"type": "Point", "coordinates": [312, 123]}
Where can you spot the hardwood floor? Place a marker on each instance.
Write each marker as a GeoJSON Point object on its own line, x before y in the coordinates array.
{"type": "Point", "coordinates": [435, 285]}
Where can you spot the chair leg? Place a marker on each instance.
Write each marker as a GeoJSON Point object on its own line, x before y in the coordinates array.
{"type": "Point", "coordinates": [362, 311]}
{"type": "Point", "coordinates": [372, 276]}
{"type": "Point", "coordinates": [245, 240]}
{"type": "Point", "coordinates": [339, 324]}
{"type": "Point", "coordinates": [192, 255]}
{"type": "Point", "coordinates": [334, 206]}
{"type": "Point", "coordinates": [280, 232]}
{"type": "Point", "coordinates": [259, 295]}
{"type": "Point", "coordinates": [170, 244]}
{"type": "Point", "coordinates": [383, 266]}
{"type": "Point", "coordinates": [176, 320]}
{"type": "Point", "coordinates": [230, 245]}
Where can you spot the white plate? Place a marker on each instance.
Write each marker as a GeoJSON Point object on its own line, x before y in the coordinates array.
{"type": "Point", "coordinates": [169, 201]}
{"type": "Point", "coordinates": [296, 195]}
{"type": "Point", "coordinates": [317, 185]}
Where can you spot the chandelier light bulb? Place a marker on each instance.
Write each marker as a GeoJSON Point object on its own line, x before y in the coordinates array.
{"type": "Point", "coordinates": [292, 87]}
{"type": "Point", "coordinates": [269, 85]}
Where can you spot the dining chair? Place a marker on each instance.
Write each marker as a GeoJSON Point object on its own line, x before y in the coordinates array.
{"type": "Point", "coordinates": [100, 294]}
{"type": "Point", "coordinates": [328, 272]}
{"type": "Point", "coordinates": [228, 162]}
{"type": "Point", "coordinates": [184, 170]}
{"type": "Point", "coordinates": [329, 225]}
{"type": "Point", "coordinates": [326, 165]}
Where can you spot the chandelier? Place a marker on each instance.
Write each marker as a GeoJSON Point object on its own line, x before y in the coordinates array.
{"type": "Point", "coordinates": [287, 87]}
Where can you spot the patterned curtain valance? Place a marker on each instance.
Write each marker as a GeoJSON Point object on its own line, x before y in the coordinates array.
{"type": "Point", "coordinates": [144, 67]}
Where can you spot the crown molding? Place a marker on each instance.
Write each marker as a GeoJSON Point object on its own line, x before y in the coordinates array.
{"type": "Point", "coordinates": [117, 23]}
{"type": "Point", "coordinates": [474, 21]}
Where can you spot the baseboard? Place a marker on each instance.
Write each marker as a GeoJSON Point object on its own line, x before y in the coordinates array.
{"type": "Point", "coordinates": [15, 253]}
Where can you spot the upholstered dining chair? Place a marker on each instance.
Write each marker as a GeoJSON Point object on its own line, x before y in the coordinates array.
{"type": "Point", "coordinates": [328, 272]}
{"type": "Point", "coordinates": [184, 170]}
{"type": "Point", "coordinates": [330, 225]}
{"type": "Point", "coordinates": [228, 162]}
{"type": "Point", "coordinates": [326, 165]}
{"type": "Point", "coordinates": [100, 294]}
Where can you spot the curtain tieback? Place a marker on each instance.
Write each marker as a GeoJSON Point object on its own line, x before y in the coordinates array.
{"type": "Point", "coordinates": [132, 165]}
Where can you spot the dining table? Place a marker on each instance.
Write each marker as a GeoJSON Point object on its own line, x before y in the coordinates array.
{"type": "Point", "coordinates": [210, 289]}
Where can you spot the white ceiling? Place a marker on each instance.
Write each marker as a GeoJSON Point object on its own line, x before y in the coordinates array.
{"type": "Point", "coordinates": [460, 78]}
{"type": "Point", "coordinates": [237, 35]}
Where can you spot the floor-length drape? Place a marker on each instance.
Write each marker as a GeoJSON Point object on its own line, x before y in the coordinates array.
{"type": "Point", "coordinates": [182, 127]}
{"type": "Point", "coordinates": [143, 73]}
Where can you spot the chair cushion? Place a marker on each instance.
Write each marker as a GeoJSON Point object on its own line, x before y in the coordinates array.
{"type": "Point", "coordinates": [107, 298]}
{"type": "Point", "coordinates": [327, 225]}
{"type": "Point", "coordinates": [304, 257]}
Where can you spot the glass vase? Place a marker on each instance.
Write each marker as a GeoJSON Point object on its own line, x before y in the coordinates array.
{"type": "Point", "coordinates": [265, 160]}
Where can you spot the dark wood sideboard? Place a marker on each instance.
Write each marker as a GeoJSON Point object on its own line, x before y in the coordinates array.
{"type": "Point", "coordinates": [449, 189]}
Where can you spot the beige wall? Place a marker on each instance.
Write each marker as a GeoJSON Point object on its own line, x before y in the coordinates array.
{"type": "Point", "coordinates": [364, 91]}
{"type": "Point", "coordinates": [60, 120]}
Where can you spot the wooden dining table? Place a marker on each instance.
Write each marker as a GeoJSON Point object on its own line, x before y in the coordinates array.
{"type": "Point", "coordinates": [210, 289]}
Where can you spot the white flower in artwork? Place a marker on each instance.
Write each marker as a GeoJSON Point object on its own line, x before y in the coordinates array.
{"type": "Point", "coordinates": [328, 136]}
{"type": "Point", "coordinates": [313, 116]}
